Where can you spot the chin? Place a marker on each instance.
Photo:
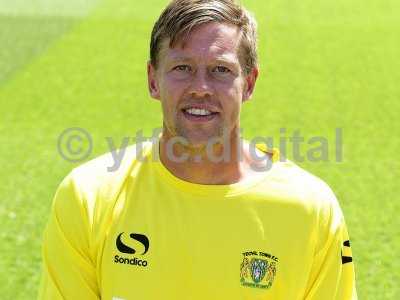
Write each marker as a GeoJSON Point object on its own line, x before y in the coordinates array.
{"type": "Point", "coordinates": [201, 140]}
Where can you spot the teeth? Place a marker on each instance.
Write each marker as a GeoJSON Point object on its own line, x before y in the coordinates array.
{"type": "Point", "coordinates": [198, 112]}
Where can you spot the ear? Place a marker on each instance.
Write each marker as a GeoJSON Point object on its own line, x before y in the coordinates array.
{"type": "Point", "coordinates": [250, 83]}
{"type": "Point", "coordinates": [153, 81]}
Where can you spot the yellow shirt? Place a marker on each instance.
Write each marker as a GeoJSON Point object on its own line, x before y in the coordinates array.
{"type": "Point", "coordinates": [142, 233]}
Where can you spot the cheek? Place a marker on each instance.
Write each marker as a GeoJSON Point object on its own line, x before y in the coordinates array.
{"type": "Point", "coordinates": [235, 113]}
{"type": "Point", "coordinates": [170, 97]}
{"type": "Point", "coordinates": [173, 91]}
{"type": "Point", "coordinates": [231, 100]}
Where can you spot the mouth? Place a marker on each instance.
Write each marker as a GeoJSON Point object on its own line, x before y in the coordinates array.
{"type": "Point", "coordinates": [199, 114]}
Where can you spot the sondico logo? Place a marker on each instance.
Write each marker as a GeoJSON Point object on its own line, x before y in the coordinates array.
{"type": "Point", "coordinates": [123, 248]}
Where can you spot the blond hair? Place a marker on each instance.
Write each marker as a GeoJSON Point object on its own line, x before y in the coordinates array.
{"type": "Point", "coordinates": [181, 16]}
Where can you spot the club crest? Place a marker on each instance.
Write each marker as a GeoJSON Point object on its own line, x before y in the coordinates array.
{"type": "Point", "coordinates": [258, 269]}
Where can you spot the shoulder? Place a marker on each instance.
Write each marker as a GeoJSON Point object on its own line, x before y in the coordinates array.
{"type": "Point", "coordinates": [304, 182]}
{"type": "Point", "coordinates": [314, 195]}
{"type": "Point", "coordinates": [92, 187]}
{"type": "Point", "coordinates": [292, 185]}
{"type": "Point", "coordinates": [85, 199]}
{"type": "Point", "coordinates": [105, 172]}
{"type": "Point", "coordinates": [310, 197]}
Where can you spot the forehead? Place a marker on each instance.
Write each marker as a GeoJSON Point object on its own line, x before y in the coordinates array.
{"type": "Point", "coordinates": [207, 41]}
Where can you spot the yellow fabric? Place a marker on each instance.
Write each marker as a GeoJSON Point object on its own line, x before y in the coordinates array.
{"type": "Point", "coordinates": [277, 236]}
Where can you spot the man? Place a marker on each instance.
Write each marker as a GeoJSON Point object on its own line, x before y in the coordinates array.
{"type": "Point", "coordinates": [201, 222]}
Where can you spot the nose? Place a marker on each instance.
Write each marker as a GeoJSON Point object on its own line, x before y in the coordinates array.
{"type": "Point", "coordinates": [201, 85]}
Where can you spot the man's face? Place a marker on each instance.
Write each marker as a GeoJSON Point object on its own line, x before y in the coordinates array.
{"type": "Point", "coordinates": [201, 84]}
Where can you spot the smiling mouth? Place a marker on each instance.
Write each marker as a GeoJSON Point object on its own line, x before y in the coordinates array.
{"type": "Point", "coordinates": [199, 114]}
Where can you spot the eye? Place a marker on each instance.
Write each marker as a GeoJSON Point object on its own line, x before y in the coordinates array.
{"type": "Point", "coordinates": [221, 69]}
{"type": "Point", "coordinates": [182, 68]}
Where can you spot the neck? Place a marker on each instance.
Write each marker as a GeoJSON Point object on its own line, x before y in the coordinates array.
{"type": "Point", "coordinates": [220, 163]}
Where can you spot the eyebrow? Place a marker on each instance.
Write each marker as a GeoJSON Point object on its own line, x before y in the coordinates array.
{"type": "Point", "coordinates": [220, 59]}
{"type": "Point", "coordinates": [179, 58]}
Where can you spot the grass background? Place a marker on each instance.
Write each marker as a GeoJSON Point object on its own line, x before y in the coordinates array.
{"type": "Point", "coordinates": [324, 65]}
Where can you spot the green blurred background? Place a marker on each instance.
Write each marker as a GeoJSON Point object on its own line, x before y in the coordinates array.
{"type": "Point", "coordinates": [324, 65]}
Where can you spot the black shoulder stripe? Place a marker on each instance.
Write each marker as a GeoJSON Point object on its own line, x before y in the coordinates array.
{"type": "Point", "coordinates": [346, 259]}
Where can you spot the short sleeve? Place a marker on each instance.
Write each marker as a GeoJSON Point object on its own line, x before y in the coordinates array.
{"type": "Point", "coordinates": [68, 271]}
{"type": "Point", "coordinates": [332, 274]}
